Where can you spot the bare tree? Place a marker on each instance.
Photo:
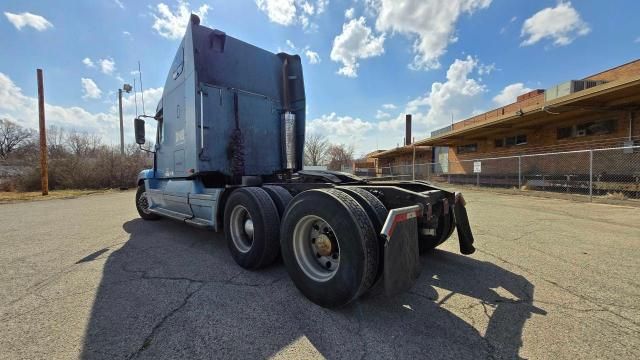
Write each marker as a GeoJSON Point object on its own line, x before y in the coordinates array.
{"type": "Point", "coordinates": [315, 150]}
{"type": "Point", "coordinates": [339, 156]}
{"type": "Point", "coordinates": [12, 137]}
{"type": "Point", "coordinates": [82, 144]}
{"type": "Point", "coordinates": [55, 141]}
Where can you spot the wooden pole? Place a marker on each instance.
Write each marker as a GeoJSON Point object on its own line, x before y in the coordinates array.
{"type": "Point", "coordinates": [44, 171]}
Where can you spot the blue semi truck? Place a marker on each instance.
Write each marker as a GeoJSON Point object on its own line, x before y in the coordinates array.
{"type": "Point", "coordinates": [228, 156]}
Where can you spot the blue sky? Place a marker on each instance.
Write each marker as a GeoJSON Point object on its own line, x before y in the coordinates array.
{"type": "Point", "coordinates": [366, 62]}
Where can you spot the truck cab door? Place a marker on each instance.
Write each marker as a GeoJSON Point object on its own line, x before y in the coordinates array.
{"type": "Point", "coordinates": [171, 150]}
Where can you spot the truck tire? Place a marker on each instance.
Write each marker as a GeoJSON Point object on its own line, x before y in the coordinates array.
{"type": "Point", "coordinates": [378, 214]}
{"type": "Point", "coordinates": [142, 204]}
{"type": "Point", "coordinates": [427, 243]}
{"type": "Point", "coordinates": [280, 197]}
{"type": "Point", "coordinates": [251, 227]}
{"type": "Point", "coordinates": [372, 205]}
{"type": "Point", "coordinates": [329, 247]}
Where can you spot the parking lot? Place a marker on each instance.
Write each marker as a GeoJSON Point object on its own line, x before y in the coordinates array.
{"type": "Point", "coordinates": [87, 278]}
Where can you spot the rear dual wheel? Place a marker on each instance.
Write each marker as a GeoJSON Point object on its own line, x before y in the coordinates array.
{"type": "Point", "coordinates": [329, 246]}
{"type": "Point", "coordinates": [251, 227]}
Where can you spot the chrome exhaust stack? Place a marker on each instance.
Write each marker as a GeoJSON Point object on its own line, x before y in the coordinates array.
{"type": "Point", "coordinates": [288, 127]}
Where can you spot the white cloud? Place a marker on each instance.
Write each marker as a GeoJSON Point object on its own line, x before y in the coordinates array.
{"type": "Point", "coordinates": [349, 13]}
{"type": "Point", "coordinates": [291, 12]}
{"type": "Point", "coordinates": [90, 89]}
{"type": "Point", "coordinates": [562, 24]}
{"type": "Point", "coordinates": [340, 129]}
{"type": "Point", "coordinates": [389, 106]}
{"type": "Point", "coordinates": [88, 62]}
{"type": "Point", "coordinates": [431, 22]}
{"type": "Point", "coordinates": [291, 45]}
{"type": "Point", "coordinates": [281, 12]}
{"type": "Point", "coordinates": [307, 7]}
{"type": "Point", "coordinates": [356, 42]}
{"type": "Point", "coordinates": [24, 110]}
{"type": "Point", "coordinates": [486, 69]}
{"type": "Point", "coordinates": [127, 34]}
{"type": "Point", "coordinates": [321, 6]}
{"type": "Point", "coordinates": [151, 98]}
{"type": "Point", "coordinates": [459, 96]}
{"type": "Point", "coordinates": [509, 94]}
{"type": "Point", "coordinates": [172, 24]}
{"type": "Point", "coordinates": [382, 115]}
{"type": "Point", "coordinates": [28, 19]}
{"type": "Point", "coordinates": [119, 3]}
{"type": "Point", "coordinates": [312, 56]}
{"type": "Point", "coordinates": [107, 66]}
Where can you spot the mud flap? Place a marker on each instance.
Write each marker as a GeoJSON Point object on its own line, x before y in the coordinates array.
{"type": "Point", "coordinates": [401, 261]}
{"type": "Point", "coordinates": [465, 237]}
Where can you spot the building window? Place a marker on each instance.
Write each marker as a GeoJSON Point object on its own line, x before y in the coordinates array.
{"type": "Point", "coordinates": [565, 132]}
{"type": "Point", "coordinates": [521, 140]}
{"type": "Point", "coordinates": [511, 141]}
{"type": "Point", "coordinates": [591, 128]}
{"type": "Point", "coordinates": [465, 149]}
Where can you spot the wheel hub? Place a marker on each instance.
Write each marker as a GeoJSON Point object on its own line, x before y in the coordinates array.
{"type": "Point", "coordinates": [323, 245]}
{"type": "Point", "coordinates": [143, 202]}
{"type": "Point", "coordinates": [248, 227]}
{"type": "Point", "coordinates": [241, 228]}
{"type": "Point", "coordinates": [316, 248]}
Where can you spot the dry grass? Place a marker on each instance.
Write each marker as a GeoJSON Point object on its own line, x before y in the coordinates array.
{"type": "Point", "coordinates": [10, 197]}
{"type": "Point", "coordinates": [616, 196]}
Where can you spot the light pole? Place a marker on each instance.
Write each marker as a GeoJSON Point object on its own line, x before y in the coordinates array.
{"type": "Point", "coordinates": [127, 88]}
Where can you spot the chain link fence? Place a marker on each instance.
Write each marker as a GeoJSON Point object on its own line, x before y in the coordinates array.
{"type": "Point", "coordinates": [612, 173]}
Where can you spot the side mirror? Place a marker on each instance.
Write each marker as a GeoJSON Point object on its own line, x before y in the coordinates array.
{"type": "Point", "coordinates": [138, 125]}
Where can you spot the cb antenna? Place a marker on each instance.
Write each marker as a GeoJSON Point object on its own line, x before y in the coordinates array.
{"type": "Point", "coordinates": [141, 88]}
{"type": "Point", "coordinates": [135, 95]}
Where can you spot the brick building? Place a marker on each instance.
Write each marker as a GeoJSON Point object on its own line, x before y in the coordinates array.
{"type": "Point", "coordinates": [402, 158]}
{"type": "Point", "coordinates": [599, 111]}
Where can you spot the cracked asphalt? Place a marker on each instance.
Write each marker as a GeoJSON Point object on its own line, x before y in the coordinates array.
{"type": "Point", "coordinates": [86, 278]}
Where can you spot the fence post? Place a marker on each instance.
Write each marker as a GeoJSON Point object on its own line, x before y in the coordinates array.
{"type": "Point", "coordinates": [413, 163]}
{"type": "Point", "coordinates": [519, 172]}
{"type": "Point", "coordinates": [591, 175]}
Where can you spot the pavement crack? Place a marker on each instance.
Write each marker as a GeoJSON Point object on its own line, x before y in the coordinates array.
{"type": "Point", "coordinates": [149, 338]}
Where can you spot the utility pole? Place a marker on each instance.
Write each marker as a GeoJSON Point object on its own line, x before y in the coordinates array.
{"type": "Point", "coordinates": [44, 171]}
{"type": "Point", "coordinates": [127, 88]}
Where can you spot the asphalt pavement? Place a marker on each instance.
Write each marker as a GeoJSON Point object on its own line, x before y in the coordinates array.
{"type": "Point", "coordinates": [87, 278]}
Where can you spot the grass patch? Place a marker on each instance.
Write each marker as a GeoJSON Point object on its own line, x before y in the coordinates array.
{"type": "Point", "coordinates": [9, 197]}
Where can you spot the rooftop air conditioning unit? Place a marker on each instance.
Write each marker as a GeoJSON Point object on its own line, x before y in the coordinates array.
{"type": "Point", "coordinates": [570, 87]}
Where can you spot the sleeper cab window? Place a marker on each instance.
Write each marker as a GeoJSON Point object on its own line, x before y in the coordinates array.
{"type": "Point", "coordinates": [178, 64]}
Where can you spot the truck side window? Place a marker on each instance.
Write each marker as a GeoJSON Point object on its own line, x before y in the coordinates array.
{"type": "Point", "coordinates": [160, 133]}
{"type": "Point", "coordinates": [178, 64]}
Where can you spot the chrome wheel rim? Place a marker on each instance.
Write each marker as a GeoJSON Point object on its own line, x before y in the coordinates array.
{"type": "Point", "coordinates": [241, 228]}
{"type": "Point", "coordinates": [316, 248]}
{"type": "Point", "coordinates": [143, 203]}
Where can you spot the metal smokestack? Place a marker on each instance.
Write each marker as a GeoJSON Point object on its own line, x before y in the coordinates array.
{"type": "Point", "coordinates": [407, 135]}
